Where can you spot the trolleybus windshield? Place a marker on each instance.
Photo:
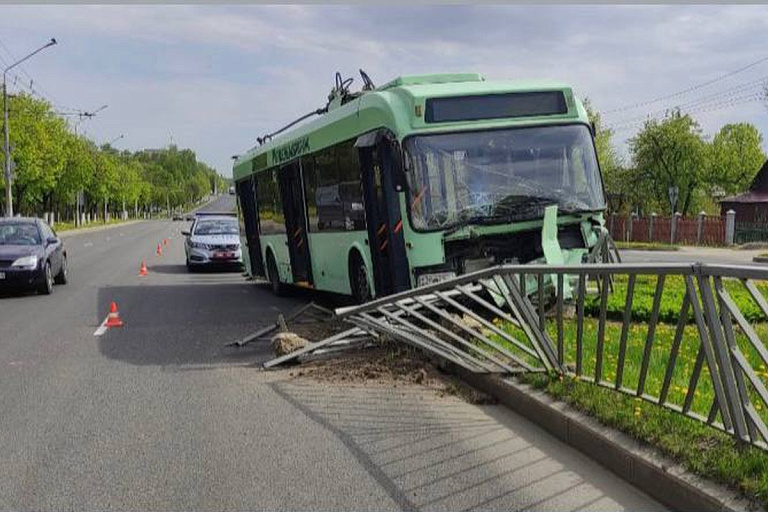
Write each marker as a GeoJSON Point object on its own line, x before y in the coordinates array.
{"type": "Point", "coordinates": [501, 176]}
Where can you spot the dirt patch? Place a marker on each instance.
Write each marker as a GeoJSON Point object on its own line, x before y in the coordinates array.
{"type": "Point", "coordinates": [388, 365]}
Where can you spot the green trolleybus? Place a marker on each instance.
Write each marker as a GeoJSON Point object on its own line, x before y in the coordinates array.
{"type": "Point", "coordinates": [419, 180]}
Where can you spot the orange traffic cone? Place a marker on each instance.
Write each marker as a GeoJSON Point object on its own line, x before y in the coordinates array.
{"type": "Point", "coordinates": [143, 269]}
{"type": "Point", "coordinates": [165, 241]}
{"type": "Point", "coordinates": [159, 250]}
{"type": "Point", "coordinates": [113, 320]}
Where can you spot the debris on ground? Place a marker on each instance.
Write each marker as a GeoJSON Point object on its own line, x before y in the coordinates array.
{"type": "Point", "coordinates": [286, 342]}
{"type": "Point", "coordinates": [389, 364]}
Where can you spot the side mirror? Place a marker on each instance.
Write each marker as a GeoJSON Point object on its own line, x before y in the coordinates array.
{"type": "Point", "coordinates": [51, 240]}
{"type": "Point", "coordinates": [185, 232]}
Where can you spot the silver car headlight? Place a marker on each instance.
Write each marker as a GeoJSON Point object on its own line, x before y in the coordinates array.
{"type": "Point", "coordinates": [198, 245]}
{"type": "Point", "coordinates": [25, 261]}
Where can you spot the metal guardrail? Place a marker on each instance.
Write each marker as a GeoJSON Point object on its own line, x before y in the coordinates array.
{"type": "Point", "coordinates": [543, 318]}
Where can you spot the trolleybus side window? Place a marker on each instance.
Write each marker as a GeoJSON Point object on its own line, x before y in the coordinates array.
{"type": "Point", "coordinates": [333, 190]}
{"type": "Point", "coordinates": [271, 217]}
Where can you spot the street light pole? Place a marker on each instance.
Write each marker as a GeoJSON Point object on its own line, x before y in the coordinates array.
{"type": "Point", "coordinates": [7, 132]}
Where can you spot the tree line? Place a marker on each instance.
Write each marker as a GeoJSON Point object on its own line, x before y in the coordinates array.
{"type": "Point", "coordinates": [54, 165]}
{"type": "Point", "coordinates": [673, 153]}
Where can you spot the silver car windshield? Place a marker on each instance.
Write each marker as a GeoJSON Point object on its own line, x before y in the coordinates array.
{"type": "Point", "coordinates": [205, 227]}
{"type": "Point", "coordinates": [501, 176]}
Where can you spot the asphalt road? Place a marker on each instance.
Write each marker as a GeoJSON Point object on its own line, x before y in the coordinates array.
{"type": "Point", "coordinates": [711, 255]}
{"type": "Point", "coordinates": [159, 415]}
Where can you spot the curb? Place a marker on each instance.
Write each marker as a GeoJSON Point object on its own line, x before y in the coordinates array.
{"type": "Point", "coordinates": [640, 465]}
{"type": "Point", "coordinates": [760, 259]}
{"type": "Point", "coordinates": [93, 229]}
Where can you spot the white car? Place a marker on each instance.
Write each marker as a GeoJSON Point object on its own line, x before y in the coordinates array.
{"type": "Point", "coordinates": [213, 240]}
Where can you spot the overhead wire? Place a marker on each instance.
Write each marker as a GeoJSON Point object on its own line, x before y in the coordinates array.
{"type": "Point", "coordinates": [686, 90]}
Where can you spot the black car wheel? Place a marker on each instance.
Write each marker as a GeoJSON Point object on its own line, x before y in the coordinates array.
{"type": "Point", "coordinates": [46, 287]}
{"type": "Point", "coordinates": [63, 276]}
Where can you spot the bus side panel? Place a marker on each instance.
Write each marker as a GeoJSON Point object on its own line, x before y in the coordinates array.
{"type": "Point", "coordinates": [278, 245]}
{"type": "Point", "coordinates": [422, 249]}
{"type": "Point", "coordinates": [330, 254]}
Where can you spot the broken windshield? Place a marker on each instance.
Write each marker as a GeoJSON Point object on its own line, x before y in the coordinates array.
{"type": "Point", "coordinates": [501, 176]}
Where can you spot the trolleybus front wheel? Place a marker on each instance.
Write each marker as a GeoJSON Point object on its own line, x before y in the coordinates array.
{"type": "Point", "coordinates": [358, 279]}
{"type": "Point", "coordinates": [278, 288]}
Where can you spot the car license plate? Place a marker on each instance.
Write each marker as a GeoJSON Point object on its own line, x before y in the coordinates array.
{"type": "Point", "coordinates": [427, 279]}
{"type": "Point", "coordinates": [2, 275]}
{"type": "Point", "coordinates": [222, 255]}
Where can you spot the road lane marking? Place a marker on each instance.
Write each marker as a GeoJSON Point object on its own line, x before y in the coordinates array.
{"type": "Point", "coordinates": [88, 244]}
{"type": "Point", "coordinates": [102, 328]}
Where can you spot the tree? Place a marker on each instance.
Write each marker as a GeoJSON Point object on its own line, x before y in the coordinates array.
{"type": "Point", "coordinates": [736, 156]}
{"type": "Point", "coordinates": [670, 153]}
{"type": "Point", "coordinates": [619, 189]}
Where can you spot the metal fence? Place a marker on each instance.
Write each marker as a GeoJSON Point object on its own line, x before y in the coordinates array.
{"type": "Point", "coordinates": [685, 337]}
{"type": "Point", "coordinates": [751, 232]}
{"type": "Point", "coordinates": [699, 230]}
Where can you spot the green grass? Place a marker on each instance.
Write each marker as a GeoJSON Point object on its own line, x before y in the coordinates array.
{"type": "Point", "coordinates": [647, 246]}
{"type": "Point", "coordinates": [672, 299]}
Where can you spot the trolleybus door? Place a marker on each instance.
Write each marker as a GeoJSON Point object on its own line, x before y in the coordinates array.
{"type": "Point", "coordinates": [382, 209]}
{"type": "Point", "coordinates": [246, 193]}
{"type": "Point", "coordinates": [292, 193]}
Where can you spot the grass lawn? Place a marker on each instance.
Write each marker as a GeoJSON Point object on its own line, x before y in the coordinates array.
{"type": "Point", "coordinates": [702, 449]}
{"type": "Point", "coordinates": [672, 299]}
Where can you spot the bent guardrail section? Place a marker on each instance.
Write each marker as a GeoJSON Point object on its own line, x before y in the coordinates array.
{"type": "Point", "coordinates": [687, 337]}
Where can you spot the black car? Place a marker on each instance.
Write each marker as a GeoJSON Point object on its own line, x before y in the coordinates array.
{"type": "Point", "coordinates": [31, 255]}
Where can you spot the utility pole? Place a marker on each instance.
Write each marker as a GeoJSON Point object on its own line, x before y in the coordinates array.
{"type": "Point", "coordinates": [7, 132]}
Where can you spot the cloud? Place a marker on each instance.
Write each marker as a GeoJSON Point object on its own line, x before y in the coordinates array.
{"type": "Point", "coordinates": [218, 76]}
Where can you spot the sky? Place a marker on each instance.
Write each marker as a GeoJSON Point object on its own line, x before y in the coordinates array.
{"type": "Point", "coordinates": [213, 78]}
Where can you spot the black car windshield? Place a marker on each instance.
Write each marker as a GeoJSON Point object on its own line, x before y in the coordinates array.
{"type": "Point", "coordinates": [501, 175]}
{"type": "Point", "coordinates": [217, 227]}
{"type": "Point", "coordinates": [19, 234]}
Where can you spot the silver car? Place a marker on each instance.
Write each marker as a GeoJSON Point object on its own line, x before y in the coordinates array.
{"type": "Point", "coordinates": [213, 240]}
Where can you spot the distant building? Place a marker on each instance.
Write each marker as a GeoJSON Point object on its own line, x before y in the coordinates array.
{"type": "Point", "coordinates": [752, 205]}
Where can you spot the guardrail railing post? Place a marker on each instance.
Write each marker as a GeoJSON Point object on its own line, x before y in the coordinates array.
{"type": "Point", "coordinates": [721, 354]}
{"type": "Point", "coordinates": [730, 227]}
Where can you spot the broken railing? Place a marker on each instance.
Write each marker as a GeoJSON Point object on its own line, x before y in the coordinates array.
{"type": "Point", "coordinates": [687, 337]}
